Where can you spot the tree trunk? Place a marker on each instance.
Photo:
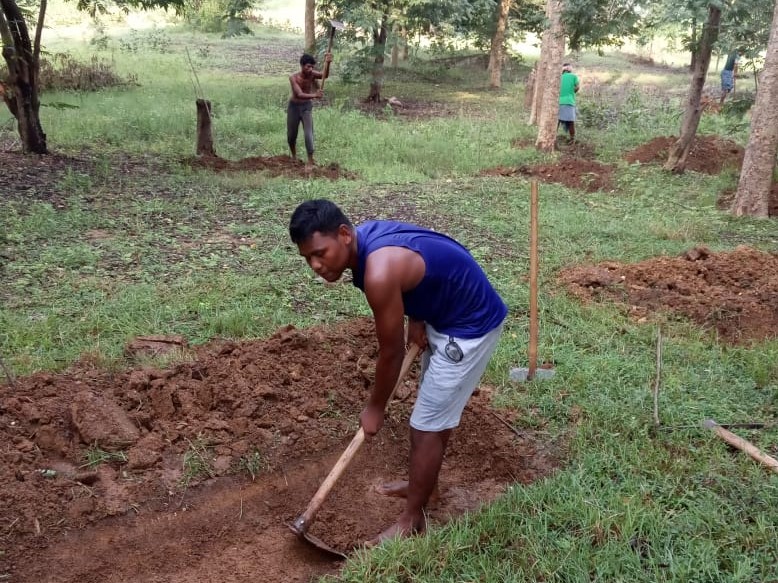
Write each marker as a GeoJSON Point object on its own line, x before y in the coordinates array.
{"type": "Point", "coordinates": [549, 108]}
{"type": "Point", "coordinates": [676, 162]}
{"type": "Point", "coordinates": [541, 70]}
{"type": "Point", "coordinates": [404, 49]}
{"type": "Point", "coordinates": [379, 49]}
{"type": "Point", "coordinates": [498, 44]}
{"type": "Point", "coordinates": [204, 132]}
{"type": "Point", "coordinates": [529, 87]}
{"type": "Point", "coordinates": [395, 45]}
{"type": "Point", "coordinates": [756, 175]}
{"type": "Point", "coordinates": [21, 93]}
{"type": "Point", "coordinates": [310, 26]}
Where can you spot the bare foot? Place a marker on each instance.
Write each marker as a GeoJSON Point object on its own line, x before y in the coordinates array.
{"type": "Point", "coordinates": [400, 529]}
{"type": "Point", "coordinates": [399, 489]}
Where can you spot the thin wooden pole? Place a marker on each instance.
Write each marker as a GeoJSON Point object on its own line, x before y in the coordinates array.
{"type": "Point", "coordinates": [658, 379]}
{"type": "Point", "coordinates": [533, 280]}
{"type": "Point", "coordinates": [743, 445]}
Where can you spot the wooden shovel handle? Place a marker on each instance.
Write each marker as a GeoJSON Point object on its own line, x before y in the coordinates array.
{"type": "Point", "coordinates": [326, 70]}
{"type": "Point", "coordinates": [742, 444]}
{"type": "Point", "coordinates": [303, 522]}
{"type": "Point", "coordinates": [533, 281]}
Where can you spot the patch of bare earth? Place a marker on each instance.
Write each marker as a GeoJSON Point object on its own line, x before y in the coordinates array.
{"type": "Point", "coordinates": [285, 407]}
{"type": "Point", "coordinates": [272, 165]}
{"type": "Point", "coordinates": [709, 154]}
{"type": "Point", "coordinates": [577, 173]}
{"type": "Point", "coordinates": [733, 293]}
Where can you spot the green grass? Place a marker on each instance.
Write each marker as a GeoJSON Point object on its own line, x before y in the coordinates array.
{"type": "Point", "coordinates": [95, 456]}
{"type": "Point", "coordinates": [166, 249]}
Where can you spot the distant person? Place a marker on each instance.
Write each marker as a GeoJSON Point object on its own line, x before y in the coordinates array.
{"type": "Point", "coordinates": [728, 75]}
{"type": "Point", "coordinates": [305, 89]}
{"type": "Point", "coordinates": [568, 87]}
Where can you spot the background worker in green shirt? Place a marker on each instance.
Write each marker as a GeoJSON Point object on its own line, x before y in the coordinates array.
{"type": "Point", "coordinates": [567, 89]}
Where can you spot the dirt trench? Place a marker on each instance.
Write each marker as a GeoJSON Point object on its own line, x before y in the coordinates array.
{"type": "Point", "coordinates": [282, 408]}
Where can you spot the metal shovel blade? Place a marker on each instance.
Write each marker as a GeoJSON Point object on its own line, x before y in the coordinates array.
{"type": "Point", "coordinates": [337, 24]}
{"type": "Point", "coordinates": [316, 541]}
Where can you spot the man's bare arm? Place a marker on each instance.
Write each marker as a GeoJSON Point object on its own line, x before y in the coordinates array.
{"type": "Point", "coordinates": [389, 272]}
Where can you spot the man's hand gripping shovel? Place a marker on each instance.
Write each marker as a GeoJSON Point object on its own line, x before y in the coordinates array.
{"type": "Point", "coordinates": [303, 522]}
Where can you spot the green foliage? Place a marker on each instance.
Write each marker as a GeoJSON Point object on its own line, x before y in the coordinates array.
{"type": "Point", "coordinates": [63, 72]}
{"type": "Point", "coordinates": [254, 463]}
{"type": "Point", "coordinates": [95, 456]}
{"type": "Point", "coordinates": [596, 23]}
{"type": "Point", "coordinates": [95, 7]}
{"type": "Point", "coordinates": [156, 40]}
{"type": "Point", "coordinates": [228, 17]}
{"type": "Point", "coordinates": [198, 461]}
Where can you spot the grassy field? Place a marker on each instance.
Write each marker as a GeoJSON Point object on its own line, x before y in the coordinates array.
{"type": "Point", "coordinates": [109, 252]}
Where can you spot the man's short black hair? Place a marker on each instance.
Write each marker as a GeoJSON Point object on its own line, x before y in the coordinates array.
{"type": "Point", "coordinates": [307, 59]}
{"type": "Point", "coordinates": [318, 215]}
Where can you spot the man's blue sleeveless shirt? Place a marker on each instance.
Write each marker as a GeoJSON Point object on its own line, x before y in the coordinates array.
{"type": "Point", "coordinates": [454, 297]}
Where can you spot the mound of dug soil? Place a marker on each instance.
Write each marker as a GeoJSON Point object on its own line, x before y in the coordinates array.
{"type": "Point", "coordinates": [709, 154]}
{"type": "Point", "coordinates": [273, 165]}
{"type": "Point", "coordinates": [734, 293]}
{"type": "Point", "coordinates": [577, 173]}
{"type": "Point", "coordinates": [196, 468]}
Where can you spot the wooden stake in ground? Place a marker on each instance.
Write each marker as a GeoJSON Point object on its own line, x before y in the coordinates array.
{"type": "Point", "coordinates": [533, 280]}
{"type": "Point", "coordinates": [658, 379]}
{"type": "Point", "coordinates": [204, 114]}
{"type": "Point", "coordinates": [204, 131]}
{"type": "Point", "coordinates": [743, 445]}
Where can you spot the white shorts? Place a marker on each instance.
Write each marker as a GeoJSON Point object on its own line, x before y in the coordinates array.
{"type": "Point", "coordinates": [445, 385]}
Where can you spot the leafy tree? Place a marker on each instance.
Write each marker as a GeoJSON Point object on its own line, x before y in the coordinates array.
{"type": "Point", "coordinates": [370, 25]}
{"type": "Point", "coordinates": [676, 161]}
{"type": "Point", "coordinates": [597, 23]}
{"type": "Point", "coordinates": [20, 89]}
{"type": "Point", "coordinates": [225, 16]}
{"type": "Point", "coordinates": [586, 23]}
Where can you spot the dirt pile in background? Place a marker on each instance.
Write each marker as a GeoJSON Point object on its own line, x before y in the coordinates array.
{"type": "Point", "coordinates": [273, 165]}
{"type": "Point", "coordinates": [173, 499]}
{"type": "Point", "coordinates": [709, 154]}
{"type": "Point", "coordinates": [577, 173]}
{"type": "Point", "coordinates": [733, 293]}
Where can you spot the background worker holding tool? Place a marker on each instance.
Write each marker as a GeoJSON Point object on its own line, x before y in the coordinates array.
{"type": "Point", "coordinates": [300, 109]}
{"type": "Point", "coordinates": [453, 311]}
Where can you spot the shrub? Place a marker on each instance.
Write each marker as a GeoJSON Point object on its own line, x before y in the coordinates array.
{"type": "Point", "coordinates": [227, 17]}
{"type": "Point", "coordinates": [60, 71]}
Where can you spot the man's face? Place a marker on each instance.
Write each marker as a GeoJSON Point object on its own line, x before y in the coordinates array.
{"type": "Point", "coordinates": [327, 255]}
{"type": "Point", "coordinates": [307, 70]}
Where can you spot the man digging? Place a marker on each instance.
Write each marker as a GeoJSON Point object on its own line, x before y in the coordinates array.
{"type": "Point", "coordinates": [300, 109]}
{"type": "Point", "coordinates": [453, 312]}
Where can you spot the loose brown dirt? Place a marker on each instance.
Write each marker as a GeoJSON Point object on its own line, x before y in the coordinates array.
{"type": "Point", "coordinates": [577, 173]}
{"type": "Point", "coordinates": [709, 154]}
{"type": "Point", "coordinates": [272, 165]}
{"type": "Point", "coordinates": [734, 294]}
{"type": "Point", "coordinates": [284, 408]}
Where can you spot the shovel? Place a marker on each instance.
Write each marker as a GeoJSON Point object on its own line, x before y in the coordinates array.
{"type": "Point", "coordinates": [303, 522]}
{"type": "Point", "coordinates": [334, 25]}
